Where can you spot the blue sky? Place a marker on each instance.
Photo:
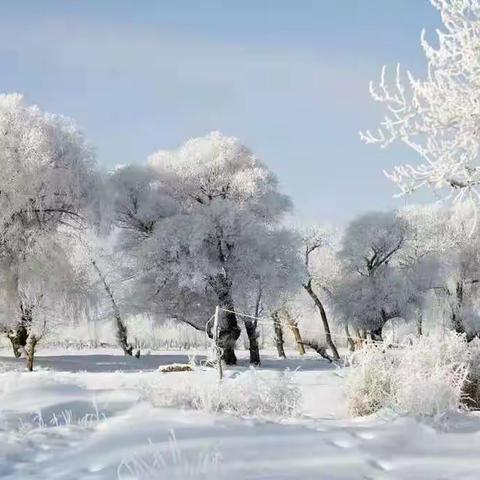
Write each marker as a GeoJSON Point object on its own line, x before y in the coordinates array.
{"type": "Point", "coordinates": [289, 78]}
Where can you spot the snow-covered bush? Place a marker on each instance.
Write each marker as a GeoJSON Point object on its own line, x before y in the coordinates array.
{"type": "Point", "coordinates": [368, 384]}
{"type": "Point", "coordinates": [429, 375]}
{"type": "Point", "coordinates": [249, 394]}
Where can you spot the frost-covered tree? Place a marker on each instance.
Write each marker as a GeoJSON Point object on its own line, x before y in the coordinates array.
{"type": "Point", "coordinates": [321, 265]}
{"type": "Point", "coordinates": [97, 256]}
{"type": "Point", "coordinates": [47, 182]}
{"type": "Point", "coordinates": [437, 116]}
{"type": "Point", "coordinates": [373, 290]}
{"type": "Point", "coordinates": [195, 220]}
{"type": "Point", "coordinates": [40, 292]}
{"type": "Point", "coordinates": [459, 258]}
{"type": "Point", "coordinates": [420, 258]}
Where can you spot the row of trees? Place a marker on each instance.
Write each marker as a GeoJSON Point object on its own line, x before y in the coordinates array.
{"type": "Point", "coordinates": [400, 265]}
{"type": "Point", "coordinates": [201, 226]}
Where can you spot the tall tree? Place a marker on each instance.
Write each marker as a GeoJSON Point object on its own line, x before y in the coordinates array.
{"type": "Point", "coordinates": [193, 224]}
{"type": "Point", "coordinates": [47, 182]}
{"type": "Point", "coordinates": [320, 263]}
{"type": "Point", "coordinates": [373, 289]}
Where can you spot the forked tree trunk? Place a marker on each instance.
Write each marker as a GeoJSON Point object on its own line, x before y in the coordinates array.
{"type": "Point", "coordinates": [251, 329]}
{"type": "Point", "coordinates": [323, 315]}
{"type": "Point", "coordinates": [296, 333]}
{"type": "Point", "coordinates": [277, 328]}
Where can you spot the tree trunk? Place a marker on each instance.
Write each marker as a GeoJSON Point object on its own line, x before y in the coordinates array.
{"type": "Point", "coordinates": [121, 333]}
{"type": "Point", "coordinates": [296, 333]}
{"type": "Point", "coordinates": [376, 335]}
{"type": "Point", "coordinates": [351, 344]}
{"type": "Point", "coordinates": [320, 349]}
{"type": "Point", "coordinates": [277, 327]}
{"type": "Point", "coordinates": [323, 315]}
{"type": "Point", "coordinates": [18, 338]}
{"type": "Point", "coordinates": [30, 349]}
{"type": "Point", "coordinates": [251, 328]}
{"type": "Point", "coordinates": [456, 318]}
{"type": "Point", "coordinates": [420, 324]}
{"type": "Point", "coordinates": [360, 337]}
{"type": "Point", "coordinates": [229, 333]}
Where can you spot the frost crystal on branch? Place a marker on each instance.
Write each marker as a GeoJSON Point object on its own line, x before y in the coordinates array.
{"type": "Point", "coordinates": [439, 116]}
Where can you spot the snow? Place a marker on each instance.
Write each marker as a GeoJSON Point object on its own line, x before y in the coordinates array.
{"type": "Point", "coordinates": [82, 415]}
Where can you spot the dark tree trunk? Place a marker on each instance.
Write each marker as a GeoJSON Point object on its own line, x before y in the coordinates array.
{"type": "Point", "coordinates": [420, 324]}
{"type": "Point", "coordinates": [228, 331]}
{"type": "Point", "coordinates": [457, 321]}
{"type": "Point", "coordinates": [18, 336]}
{"type": "Point", "coordinates": [277, 328]}
{"type": "Point", "coordinates": [323, 315]}
{"type": "Point", "coordinates": [251, 328]}
{"type": "Point", "coordinates": [376, 335]}
{"type": "Point", "coordinates": [121, 335]}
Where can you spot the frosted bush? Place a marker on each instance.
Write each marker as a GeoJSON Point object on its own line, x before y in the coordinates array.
{"type": "Point", "coordinates": [431, 374]}
{"type": "Point", "coordinates": [250, 394]}
{"type": "Point", "coordinates": [428, 375]}
{"type": "Point", "coordinates": [368, 384]}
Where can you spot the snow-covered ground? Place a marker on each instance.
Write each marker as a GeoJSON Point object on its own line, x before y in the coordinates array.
{"type": "Point", "coordinates": [84, 415]}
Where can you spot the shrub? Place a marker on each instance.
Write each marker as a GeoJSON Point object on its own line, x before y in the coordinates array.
{"type": "Point", "coordinates": [428, 375]}
{"type": "Point", "coordinates": [251, 394]}
{"type": "Point", "coordinates": [368, 384]}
